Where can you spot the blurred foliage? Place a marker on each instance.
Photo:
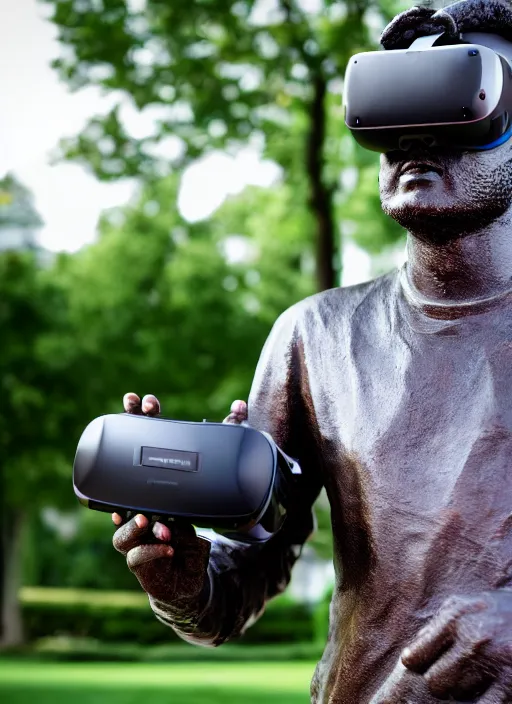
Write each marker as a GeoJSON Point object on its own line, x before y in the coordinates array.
{"type": "Point", "coordinates": [71, 649]}
{"type": "Point", "coordinates": [34, 418]}
{"type": "Point", "coordinates": [34, 413]}
{"type": "Point", "coordinates": [83, 557]}
{"type": "Point", "coordinates": [362, 215]}
{"type": "Point", "coordinates": [116, 617]}
{"type": "Point", "coordinates": [218, 71]}
{"type": "Point", "coordinates": [158, 304]}
{"type": "Point", "coordinates": [217, 74]}
{"type": "Point", "coordinates": [321, 539]}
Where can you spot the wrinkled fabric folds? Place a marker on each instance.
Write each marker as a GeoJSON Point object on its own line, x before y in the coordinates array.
{"type": "Point", "coordinates": [403, 413]}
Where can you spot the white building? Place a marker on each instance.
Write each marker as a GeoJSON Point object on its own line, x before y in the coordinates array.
{"type": "Point", "coordinates": [20, 222]}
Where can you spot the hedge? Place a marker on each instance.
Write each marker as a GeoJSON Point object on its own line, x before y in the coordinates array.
{"type": "Point", "coordinates": [114, 617]}
{"type": "Point", "coordinates": [64, 649]}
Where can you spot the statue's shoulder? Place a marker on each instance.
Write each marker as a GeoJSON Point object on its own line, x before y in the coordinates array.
{"type": "Point", "coordinates": [339, 304]}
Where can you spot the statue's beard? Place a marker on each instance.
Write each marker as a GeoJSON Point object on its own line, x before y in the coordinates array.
{"type": "Point", "coordinates": [448, 223]}
{"type": "Point", "coordinates": [477, 199]}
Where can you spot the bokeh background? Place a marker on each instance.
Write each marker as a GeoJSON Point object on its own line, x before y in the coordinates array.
{"type": "Point", "coordinates": [173, 175]}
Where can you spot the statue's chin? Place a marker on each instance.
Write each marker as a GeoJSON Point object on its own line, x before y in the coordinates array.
{"type": "Point", "coordinates": [415, 213]}
{"type": "Point", "coordinates": [447, 205]}
{"type": "Point", "coordinates": [437, 223]}
{"type": "Point", "coordinates": [419, 202]}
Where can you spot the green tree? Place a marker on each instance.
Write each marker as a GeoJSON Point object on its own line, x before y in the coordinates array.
{"type": "Point", "coordinates": [159, 304]}
{"type": "Point", "coordinates": [182, 310]}
{"type": "Point", "coordinates": [215, 75]}
{"type": "Point", "coordinates": [33, 423]}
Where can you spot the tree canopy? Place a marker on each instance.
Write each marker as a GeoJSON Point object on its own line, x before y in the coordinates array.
{"type": "Point", "coordinates": [159, 304]}
{"type": "Point", "coordinates": [213, 75]}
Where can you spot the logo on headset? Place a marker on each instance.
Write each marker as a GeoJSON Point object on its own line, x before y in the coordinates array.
{"type": "Point", "coordinates": [169, 459]}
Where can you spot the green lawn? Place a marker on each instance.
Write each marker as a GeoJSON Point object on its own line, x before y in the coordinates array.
{"type": "Point", "coordinates": [26, 682]}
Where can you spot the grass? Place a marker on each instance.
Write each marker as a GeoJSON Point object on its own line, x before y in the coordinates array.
{"type": "Point", "coordinates": [24, 682]}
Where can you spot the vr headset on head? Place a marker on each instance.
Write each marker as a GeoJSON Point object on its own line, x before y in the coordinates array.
{"type": "Point", "coordinates": [457, 95]}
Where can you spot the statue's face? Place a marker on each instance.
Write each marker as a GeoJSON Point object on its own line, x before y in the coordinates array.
{"type": "Point", "coordinates": [446, 193]}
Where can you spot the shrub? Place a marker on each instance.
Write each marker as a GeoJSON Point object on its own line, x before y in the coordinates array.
{"type": "Point", "coordinates": [88, 650]}
{"type": "Point", "coordinates": [106, 616]}
{"type": "Point", "coordinates": [113, 617]}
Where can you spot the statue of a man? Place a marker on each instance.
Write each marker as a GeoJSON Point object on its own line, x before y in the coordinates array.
{"type": "Point", "coordinates": [396, 397]}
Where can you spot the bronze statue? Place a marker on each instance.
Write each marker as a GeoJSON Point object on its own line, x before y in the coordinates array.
{"type": "Point", "coordinates": [396, 396]}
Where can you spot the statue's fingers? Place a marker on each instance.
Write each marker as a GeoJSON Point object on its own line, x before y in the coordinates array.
{"type": "Point", "coordinates": [162, 532]}
{"type": "Point", "coordinates": [150, 405]}
{"type": "Point", "coordinates": [496, 694]}
{"type": "Point", "coordinates": [141, 554]}
{"type": "Point", "coordinates": [429, 645]}
{"type": "Point", "coordinates": [452, 673]}
{"type": "Point", "coordinates": [131, 534]}
{"type": "Point", "coordinates": [131, 404]}
{"type": "Point", "coordinates": [238, 413]}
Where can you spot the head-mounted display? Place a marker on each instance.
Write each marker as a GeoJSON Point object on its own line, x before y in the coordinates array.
{"type": "Point", "coordinates": [456, 95]}
{"type": "Point", "coordinates": [230, 478]}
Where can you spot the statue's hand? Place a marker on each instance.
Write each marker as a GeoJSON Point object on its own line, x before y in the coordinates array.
{"type": "Point", "coordinates": [170, 566]}
{"type": "Point", "coordinates": [466, 649]}
{"type": "Point", "coordinates": [463, 653]}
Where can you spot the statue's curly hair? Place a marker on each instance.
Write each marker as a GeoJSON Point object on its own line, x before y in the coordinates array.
{"type": "Point", "coordinates": [494, 16]}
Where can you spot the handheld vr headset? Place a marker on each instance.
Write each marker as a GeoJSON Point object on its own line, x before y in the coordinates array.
{"type": "Point", "coordinates": [230, 478]}
{"type": "Point", "coordinates": [456, 95]}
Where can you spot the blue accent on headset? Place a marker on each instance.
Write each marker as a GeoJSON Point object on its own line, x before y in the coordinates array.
{"type": "Point", "coordinates": [497, 142]}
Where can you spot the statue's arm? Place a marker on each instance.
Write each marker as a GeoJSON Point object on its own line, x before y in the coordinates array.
{"type": "Point", "coordinates": [241, 581]}
{"type": "Point", "coordinates": [242, 578]}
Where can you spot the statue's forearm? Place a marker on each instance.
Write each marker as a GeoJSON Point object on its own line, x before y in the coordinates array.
{"type": "Point", "coordinates": [241, 580]}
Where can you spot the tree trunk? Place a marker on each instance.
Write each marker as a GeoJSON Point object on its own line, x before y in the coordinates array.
{"type": "Point", "coordinates": [321, 194]}
{"type": "Point", "coordinates": [12, 624]}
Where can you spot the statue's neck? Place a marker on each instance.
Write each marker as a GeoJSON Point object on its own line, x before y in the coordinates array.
{"type": "Point", "coordinates": [463, 269]}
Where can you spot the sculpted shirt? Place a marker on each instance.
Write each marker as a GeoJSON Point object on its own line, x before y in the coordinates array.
{"type": "Point", "coordinates": [403, 412]}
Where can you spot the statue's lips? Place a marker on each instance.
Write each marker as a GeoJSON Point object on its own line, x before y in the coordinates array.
{"type": "Point", "coordinates": [414, 170]}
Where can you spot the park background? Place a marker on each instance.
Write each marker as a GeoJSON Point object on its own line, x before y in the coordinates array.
{"type": "Point", "coordinates": [173, 175]}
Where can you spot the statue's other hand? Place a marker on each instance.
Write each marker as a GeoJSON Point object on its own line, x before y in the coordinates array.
{"type": "Point", "coordinates": [238, 413]}
{"type": "Point", "coordinates": [465, 651]}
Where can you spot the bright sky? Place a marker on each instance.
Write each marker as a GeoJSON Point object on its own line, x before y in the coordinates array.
{"type": "Point", "coordinates": [36, 110]}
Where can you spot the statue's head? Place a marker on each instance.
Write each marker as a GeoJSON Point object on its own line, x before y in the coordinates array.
{"type": "Point", "coordinates": [442, 192]}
